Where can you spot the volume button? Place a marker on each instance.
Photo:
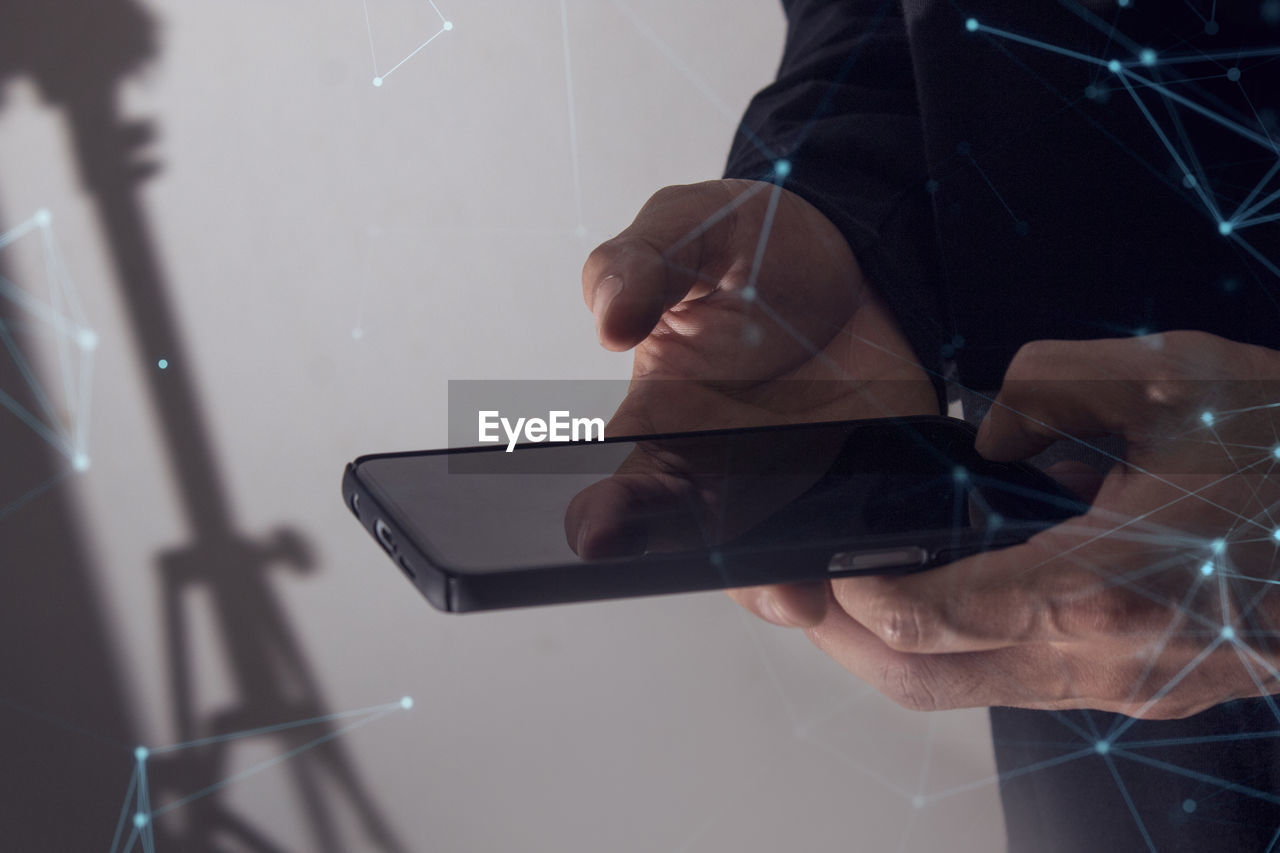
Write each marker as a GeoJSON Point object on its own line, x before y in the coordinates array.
{"type": "Point", "coordinates": [867, 561]}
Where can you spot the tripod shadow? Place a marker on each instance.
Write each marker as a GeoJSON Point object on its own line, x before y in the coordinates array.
{"type": "Point", "coordinates": [60, 661]}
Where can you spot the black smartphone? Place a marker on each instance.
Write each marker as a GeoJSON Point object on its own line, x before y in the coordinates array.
{"type": "Point", "coordinates": [482, 528]}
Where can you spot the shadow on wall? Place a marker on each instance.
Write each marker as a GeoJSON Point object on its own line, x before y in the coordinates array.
{"type": "Point", "coordinates": [68, 737]}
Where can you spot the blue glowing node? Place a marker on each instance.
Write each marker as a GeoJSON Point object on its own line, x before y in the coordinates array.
{"type": "Point", "coordinates": [782, 168]}
{"type": "Point", "coordinates": [1122, 3]}
{"type": "Point", "coordinates": [961, 474]}
{"type": "Point", "coordinates": [87, 339]}
{"type": "Point", "coordinates": [1206, 418]}
{"type": "Point", "coordinates": [1206, 569]}
{"type": "Point", "coordinates": [141, 753]}
{"type": "Point", "coordinates": [1211, 28]}
{"type": "Point", "coordinates": [1233, 74]}
{"type": "Point", "coordinates": [1276, 453]}
{"type": "Point", "coordinates": [917, 802]}
{"type": "Point", "coordinates": [377, 81]}
{"type": "Point", "coordinates": [1188, 806]}
{"type": "Point", "coordinates": [140, 820]}
{"type": "Point", "coordinates": [971, 25]}
{"type": "Point", "coordinates": [1102, 747]}
{"type": "Point", "coordinates": [1275, 534]}
{"type": "Point", "coordinates": [1147, 57]}
{"type": "Point", "coordinates": [1228, 633]}
{"type": "Point", "coordinates": [163, 364]}
{"type": "Point", "coordinates": [406, 702]}
{"type": "Point", "coordinates": [448, 25]}
{"type": "Point", "coordinates": [1114, 66]}
{"type": "Point", "coordinates": [43, 218]}
{"type": "Point", "coordinates": [1189, 181]}
{"type": "Point", "coordinates": [749, 294]}
{"type": "Point", "coordinates": [1225, 228]}
{"type": "Point", "coordinates": [1219, 545]}
{"type": "Point", "coordinates": [1271, 11]}
{"type": "Point", "coordinates": [80, 462]}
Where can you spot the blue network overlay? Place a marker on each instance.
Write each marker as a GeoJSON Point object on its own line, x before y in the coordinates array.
{"type": "Point", "coordinates": [47, 306]}
{"type": "Point", "coordinates": [1208, 583]}
{"type": "Point", "coordinates": [1180, 88]}
{"type": "Point", "coordinates": [135, 829]}
{"type": "Point", "coordinates": [379, 76]}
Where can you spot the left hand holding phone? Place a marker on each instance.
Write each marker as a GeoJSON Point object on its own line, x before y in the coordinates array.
{"type": "Point", "coordinates": [1159, 602]}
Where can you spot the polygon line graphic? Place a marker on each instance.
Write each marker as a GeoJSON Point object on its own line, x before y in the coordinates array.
{"type": "Point", "coordinates": [138, 813]}
{"type": "Point", "coordinates": [47, 310]}
{"type": "Point", "coordinates": [1152, 79]}
{"type": "Point", "coordinates": [379, 76]}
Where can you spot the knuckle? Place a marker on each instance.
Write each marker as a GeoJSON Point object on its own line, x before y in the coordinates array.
{"type": "Point", "coordinates": [1166, 386]}
{"type": "Point", "coordinates": [907, 626]}
{"type": "Point", "coordinates": [1188, 347]}
{"type": "Point", "coordinates": [1060, 674]}
{"type": "Point", "coordinates": [1033, 360]}
{"type": "Point", "coordinates": [1138, 685]}
{"type": "Point", "coordinates": [1164, 709]}
{"type": "Point", "coordinates": [1168, 379]}
{"type": "Point", "coordinates": [1148, 703]}
{"type": "Point", "coordinates": [673, 193]}
{"type": "Point", "coordinates": [909, 684]}
{"type": "Point", "coordinates": [1165, 393]}
{"type": "Point", "coordinates": [1037, 427]}
{"type": "Point", "coordinates": [1100, 613]}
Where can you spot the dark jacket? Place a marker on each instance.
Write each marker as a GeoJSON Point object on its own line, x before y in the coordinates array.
{"type": "Point", "coordinates": [1000, 182]}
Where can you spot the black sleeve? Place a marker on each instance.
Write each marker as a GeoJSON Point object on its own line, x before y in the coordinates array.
{"type": "Point", "coordinates": [843, 114]}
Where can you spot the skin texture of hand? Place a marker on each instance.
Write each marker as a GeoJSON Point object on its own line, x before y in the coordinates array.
{"type": "Point", "coordinates": [745, 307]}
{"type": "Point", "coordinates": [1159, 602]}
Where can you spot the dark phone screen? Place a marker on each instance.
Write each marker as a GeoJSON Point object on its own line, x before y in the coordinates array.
{"type": "Point", "coordinates": [770, 487]}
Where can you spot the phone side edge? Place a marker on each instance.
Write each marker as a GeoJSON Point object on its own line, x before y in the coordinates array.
{"type": "Point", "coordinates": [431, 581]}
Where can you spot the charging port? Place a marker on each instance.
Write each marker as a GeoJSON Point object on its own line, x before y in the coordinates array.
{"type": "Point", "coordinates": [384, 536]}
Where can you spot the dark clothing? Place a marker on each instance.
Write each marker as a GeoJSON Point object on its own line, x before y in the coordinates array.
{"type": "Point", "coordinates": [998, 191]}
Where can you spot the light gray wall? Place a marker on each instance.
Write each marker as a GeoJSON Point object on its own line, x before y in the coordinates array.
{"type": "Point", "coordinates": [437, 215]}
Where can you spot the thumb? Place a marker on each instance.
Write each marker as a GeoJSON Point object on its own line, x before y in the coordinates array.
{"type": "Point", "coordinates": [674, 250]}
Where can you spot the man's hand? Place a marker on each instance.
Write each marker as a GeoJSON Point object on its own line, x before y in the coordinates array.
{"type": "Point", "coordinates": [1160, 602]}
{"type": "Point", "coordinates": [746, 307]}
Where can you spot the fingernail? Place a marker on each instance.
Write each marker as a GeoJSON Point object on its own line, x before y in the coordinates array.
{"type": "Point", "coordinates": [606, 291]}
{"type": "Point", "coordinates": [771, 611]}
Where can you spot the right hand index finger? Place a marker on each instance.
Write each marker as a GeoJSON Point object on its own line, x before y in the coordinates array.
{"type": "Point", "coordinates": [674, 250]}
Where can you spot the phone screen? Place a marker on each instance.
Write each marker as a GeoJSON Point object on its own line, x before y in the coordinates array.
{"type": "Point", "coordinates": [480, 510]}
